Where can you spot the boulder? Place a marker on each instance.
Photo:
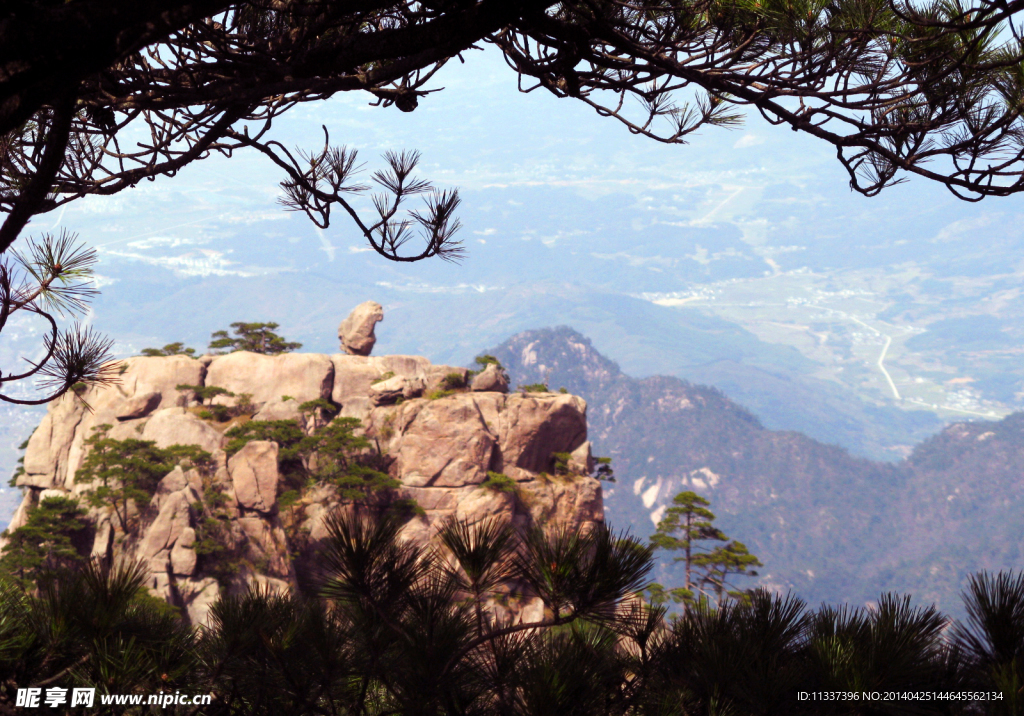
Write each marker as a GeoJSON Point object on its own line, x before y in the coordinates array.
{"type": "Point", "coordinates": [103, 541]}
{"type": "Point", "coordinates": [160, 375]}
{"type": "Point", "coordinates": [483, 503]}
{"type": "Point", "coordinates": [57, 447]}
{"type": "Point", "coordinates": [279, 410]}
{"type": "Point", "coordinates": [442, 443]}
{"type": "Point", "coordinates": [269, 585]}
{"type": "Point", "coordinates": [532, 428]}
{"type": "Point", "coordinates": [174, 481]}
{"type": "Point", "coordinates": [440, 450]}
{"type": "Point", "coordinates": [491, 379]}
{"type": "Point", "coordinates": [433, 499]}
{"type": "Point", "coordinates": [172, 520]}
{"type": "Point", "coordinates": [183, 554]}
{"type": "Point", "coordinates": [19, 518]}
{"type": "Point", "coordinates": [268, 544]}
{"type": "Point", "coordinates": [405, 366]}
{"type": "Point", "coordinates": [254, 475]}
{"type": "Point", "coordinates": [199, 596]}
{"type": "Point", "coordinates": [132, 397]}
{"type": "Point", "coordinates": [437, 377]}
{"type": "Point", "coordinates": [177, 426]}
{"type": "Point", "coordinates": [353, 376]}
{"type": "Point", "coordinates": [159, 578]}
{"type": "Point", "coordinates": [48, 448]}
{"type": "Point", "coordinates": [576, 503]}
{"type": "Point", "coordinates": [140, 406]}
{"type": "Point", "coordinates": [356, 332]}
{"type": "Point", "coordinates": [388, 391]}
{"type": "Point", "coordinates": [582, 460]}
{"type": "Point", "coordinates": [302, 376]}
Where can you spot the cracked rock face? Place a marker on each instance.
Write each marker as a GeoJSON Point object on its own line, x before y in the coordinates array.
{"type": "Point", "coordinates": [253, 471]}
{"type": "Point", "coordinates": [439, 446]}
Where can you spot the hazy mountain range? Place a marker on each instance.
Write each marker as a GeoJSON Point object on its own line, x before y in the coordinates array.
{"type": "Point", "coordinates": [831, 526]}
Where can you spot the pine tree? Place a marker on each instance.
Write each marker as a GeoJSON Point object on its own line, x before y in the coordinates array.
{"type": "Point", "coordinates": [254, 337]}
{"type": "Point", "coordinates": [171, 349]}
{"type": "Point", "coordinates": [49, 540]}
{"type": "Point", "coordinates": [688, 526]}
{"type": "Point", "coordinates": [731, 559]}
{"type": "Point", "coordinates": [683, 528]}
{"type": "Point", "coordinates": [128, 471]}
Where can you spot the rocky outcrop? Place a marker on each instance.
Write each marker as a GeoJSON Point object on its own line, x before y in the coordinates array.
{"type": "Point", "coordinates": [356, 332]}
{"type": "Point", "coordinates": [302, 376]}
{"type": "Point", "coordinates": [440, 442]}
{"type": "Point", "coordinates": [490, 379]}
{"type": "Point", "coordinates": [253, 471]}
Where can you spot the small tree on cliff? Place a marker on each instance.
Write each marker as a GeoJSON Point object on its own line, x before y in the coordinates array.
{"type": "Point", "coordinates": [171, 349]}
{"type": "Point", "coordinates": [254, 337]}
{"type": "Point", "coordinates": [49, 540]}
{"type": "Point", "coordinates": [128, 471]}
{"type": "Point", "coordinates": [334, 453]}
{"type": "Point", "coordinates": [687, 527]}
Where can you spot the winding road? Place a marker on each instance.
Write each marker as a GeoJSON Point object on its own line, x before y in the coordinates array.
{"type": "Point", "coordinates": [881, 357]}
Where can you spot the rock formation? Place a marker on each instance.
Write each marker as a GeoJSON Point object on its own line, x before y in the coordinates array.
{"type": "Point", "coordinates": [435, 436]}
{"type": "Point", "coordinates": [490, 378]}
{"type": "Point", "coordinates": [356, 331]}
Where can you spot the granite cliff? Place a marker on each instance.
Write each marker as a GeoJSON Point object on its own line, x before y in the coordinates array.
{"type": "Point", "coordinates": [438, 443]}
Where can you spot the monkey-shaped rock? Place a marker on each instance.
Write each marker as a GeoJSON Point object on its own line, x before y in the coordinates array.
{"type": "Point", "coordinates": [356, 331]}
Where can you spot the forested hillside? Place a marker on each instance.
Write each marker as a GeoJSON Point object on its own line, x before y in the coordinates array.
{"type": "Point", "coordinates": [827, 524]}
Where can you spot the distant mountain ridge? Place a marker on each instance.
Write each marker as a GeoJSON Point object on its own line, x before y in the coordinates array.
{"type": "Point", "coordinates": [829, 525]}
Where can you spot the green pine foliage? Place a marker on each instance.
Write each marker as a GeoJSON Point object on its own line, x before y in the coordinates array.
{"type": "Point", "coordinates": [454, 381]}
{"type": "Point", "coordinates": [482, 361]}
{"type": "Point", "coordinates": [498, 482]}
{"type": "Point", "coordinates": [51, 539]}
{"type": "Point", "coordinates": [171, 349]}
{"type": "Point", "coordinates": [320, 411]}
{"type": "Point", "coordinates": [485, 360]}
{"type": "Point", "coordinates": [204, 393]}
{"type": "Point", "coordinates": [254, 337]}
{"type": "Point", "coordinates": [402, 629]}
{"type": "Point", "coordinates": [724, 562]}
{"type": "Point", "coordinates": [561, 462]}
{"type": "Point", "coordinates": [687, 528]}
{"type": "Point", "coordinates": [334, 453]}
{"type": "Point", "coordinates": [125, 473]}
{"type": "Point", "coordinates": [93, 626]}
{"type": "Point", "coordinates": [534, 388]}
{"type": "Point", "coordinates": [604, 469]}
{"type": "Point", "coordinates": [602, 466]}
{"type": "Point", "coordinates": [214, 553]}
{"type": "Point", "coordinates": [286, 433]}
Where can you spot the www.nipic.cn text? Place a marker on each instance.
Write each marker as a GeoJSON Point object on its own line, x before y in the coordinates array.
{"type": "Point", "coordinates": [54, 697]}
